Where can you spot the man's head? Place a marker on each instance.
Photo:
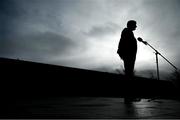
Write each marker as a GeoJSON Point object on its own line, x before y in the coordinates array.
{"type": "Point", "coordinates": [131, 24]}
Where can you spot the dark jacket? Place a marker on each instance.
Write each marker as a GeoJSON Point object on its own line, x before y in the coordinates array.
{"type": "Point", "coordinates": [127, 47]}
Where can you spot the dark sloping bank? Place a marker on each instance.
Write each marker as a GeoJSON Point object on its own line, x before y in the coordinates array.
{"type": "Point", "coordinates": [23, 79]}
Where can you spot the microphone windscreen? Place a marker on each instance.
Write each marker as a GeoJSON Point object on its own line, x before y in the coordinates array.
{"type": "Point", "coordinates": [139, 39]}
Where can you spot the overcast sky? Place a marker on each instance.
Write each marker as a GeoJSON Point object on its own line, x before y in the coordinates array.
{"type": "Point", "coordinates": [85, 33]}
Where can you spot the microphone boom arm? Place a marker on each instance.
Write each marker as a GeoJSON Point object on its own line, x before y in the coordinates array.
{"type": "Point", "coordinates": [157, 53]}
{"type": "Point", "coordinates": [160, 54]}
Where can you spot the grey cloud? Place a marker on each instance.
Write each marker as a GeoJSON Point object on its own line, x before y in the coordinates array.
{"type": "Point", "coordinates": [7, 13]}
{"type": "Point", "coordinates": [9, 7]}
{"type": "Point", "coordinates": [32, 29]}
{"type": "Point", "coordinates": [18, 15]}
{"type": "Point", "coordinates": [37, 46]}
{"type": "Point", "coordinates": [103, 30]}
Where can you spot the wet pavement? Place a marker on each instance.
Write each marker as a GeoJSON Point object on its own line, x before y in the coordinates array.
{"type": "Point", "coordinates": [92, 107]}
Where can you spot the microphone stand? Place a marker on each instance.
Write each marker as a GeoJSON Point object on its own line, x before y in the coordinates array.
{"type": "Point", "coordinates": [156, 54]}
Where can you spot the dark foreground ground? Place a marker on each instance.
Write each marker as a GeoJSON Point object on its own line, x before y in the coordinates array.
{"type": "Point", "coordinates": [36, 90]}
{"type": "Point", "coordinates": [25, 79]}
{"type": "Point", "coordinates": [92, 107]}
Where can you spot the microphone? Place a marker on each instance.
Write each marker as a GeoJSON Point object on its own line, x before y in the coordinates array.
{"type": "Point", "coordinates": [141, 40]}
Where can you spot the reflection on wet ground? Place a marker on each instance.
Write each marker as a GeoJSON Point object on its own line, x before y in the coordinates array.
{"type": "Point", "coordinates": [92, 107]}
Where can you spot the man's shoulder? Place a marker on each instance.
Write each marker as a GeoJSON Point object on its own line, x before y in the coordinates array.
{"type": "Point", "coordinates": [125, 30]}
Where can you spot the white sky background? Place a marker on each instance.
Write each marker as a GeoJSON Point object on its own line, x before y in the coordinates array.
{"type": "Point", "coordinates": [85, 33]}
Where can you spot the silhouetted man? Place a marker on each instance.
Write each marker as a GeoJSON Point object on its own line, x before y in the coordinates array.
{"type": "Point", "coordinates": [127, 49]}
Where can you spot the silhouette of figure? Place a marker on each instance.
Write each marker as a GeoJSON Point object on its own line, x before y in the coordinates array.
{"type": "Point", "coordinates": [127, 49]}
